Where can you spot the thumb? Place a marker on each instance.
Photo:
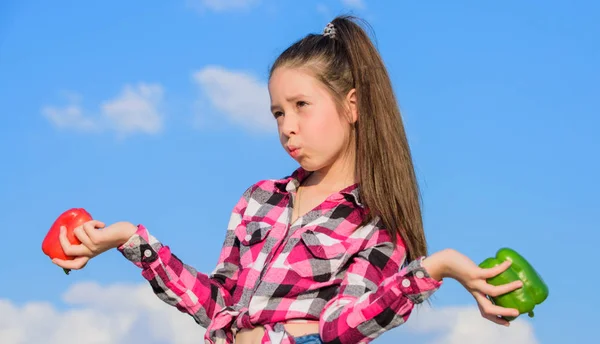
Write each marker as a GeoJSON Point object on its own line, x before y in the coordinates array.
{"type": "Point", "coordinates": [496, 270]}
{"type": "Point", "coordinates": [94, 224]}
{"type": "Point", "coordinates": [91, 226]}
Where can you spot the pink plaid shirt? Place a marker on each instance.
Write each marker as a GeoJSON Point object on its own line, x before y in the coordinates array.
{"type": "Point", "coordinates": [321, 267]}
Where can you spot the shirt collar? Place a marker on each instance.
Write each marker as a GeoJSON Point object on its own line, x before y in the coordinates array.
{"type": "Point", "coordinates": [293, 181]}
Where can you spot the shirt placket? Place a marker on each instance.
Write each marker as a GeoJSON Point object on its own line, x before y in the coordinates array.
{"type": "Point", "coordinates": [280, 243]}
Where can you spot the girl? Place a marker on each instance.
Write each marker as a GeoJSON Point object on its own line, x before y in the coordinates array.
{"type": "Point", "coordinates": [333, 253]}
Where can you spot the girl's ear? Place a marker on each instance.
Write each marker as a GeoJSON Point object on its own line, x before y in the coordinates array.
{"type": "Point", "coordinates": [352, 106]}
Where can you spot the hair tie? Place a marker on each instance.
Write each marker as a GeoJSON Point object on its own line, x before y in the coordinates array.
{"type": "Point", "coordinates": [329, 30]}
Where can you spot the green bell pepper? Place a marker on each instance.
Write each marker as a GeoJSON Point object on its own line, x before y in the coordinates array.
{"type": "Point", "coordinates": [533, 292]}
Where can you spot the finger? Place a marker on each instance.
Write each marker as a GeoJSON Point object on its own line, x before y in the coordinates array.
{"type": "Point", "coordinates": [62, 238]}
{"type": "Point", "coordinates": [94, 224]}
{"type": "Point", "coordinates": [70, 249]}
{"type": "Point", "coordinates": [75, 264]}
{"type": "Point", "coordinates": [91, 230]}
{"type": "Point", "coordinates": [498, 320]}
{"type": "Point", "coordinates": [494, 271]}
{"type": "Point", "coordinates": [488, 308]}
{"type": "Point", "coordinates": [497, 290]}
{"type": "Point", "coordinates": [83, 236]}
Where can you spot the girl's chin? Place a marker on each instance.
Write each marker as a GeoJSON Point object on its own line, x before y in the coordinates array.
{"type": "Point", "coordinates": [307, 165]}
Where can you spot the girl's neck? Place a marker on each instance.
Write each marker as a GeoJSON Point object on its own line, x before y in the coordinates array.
{"type": "Point", "coordinates": [332, 178]}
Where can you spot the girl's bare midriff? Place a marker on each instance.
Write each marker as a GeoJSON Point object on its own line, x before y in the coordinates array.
{"type": "Point", "coordinates": [254, 336]}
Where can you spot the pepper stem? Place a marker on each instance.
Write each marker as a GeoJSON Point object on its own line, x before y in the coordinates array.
{"type": "Point", "coordinates": [66, 271]}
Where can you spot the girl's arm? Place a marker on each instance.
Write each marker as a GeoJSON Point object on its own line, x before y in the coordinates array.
{"type": "Point", "coordinates": [375, 296]}
{"type": "Point", "coordinates": [179, 284]}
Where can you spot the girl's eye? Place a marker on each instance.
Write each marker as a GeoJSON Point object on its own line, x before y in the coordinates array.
{"type": "Point", "coordinates": [277, 114]}
{"type": "Point", "coordinates": [301, 103]}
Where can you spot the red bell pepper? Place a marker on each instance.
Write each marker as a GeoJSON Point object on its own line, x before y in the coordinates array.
{"type": "Point", "coordinates": [70, 219]}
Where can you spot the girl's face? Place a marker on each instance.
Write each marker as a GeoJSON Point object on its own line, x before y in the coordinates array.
{"type": "Point", "coordinates": [310, 127]}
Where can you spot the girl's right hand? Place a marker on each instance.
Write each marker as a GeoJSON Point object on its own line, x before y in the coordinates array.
{"type": "Point", "coordinates": [453, 264]}
{"type": "Point", "coordinates": [95, 239]}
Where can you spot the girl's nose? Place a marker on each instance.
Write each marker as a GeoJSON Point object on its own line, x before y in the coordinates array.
{"type": "Point", "coordinates": [290, 125]}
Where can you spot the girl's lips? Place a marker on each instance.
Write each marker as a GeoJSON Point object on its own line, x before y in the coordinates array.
{"type": "Point", "coordinates": [294, 152]}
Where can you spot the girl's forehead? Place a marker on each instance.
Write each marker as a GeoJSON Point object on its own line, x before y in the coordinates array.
{"type": "Point", "coordinates": [287, 75]}
{"type": "Point", "coordinates": [286, 81]}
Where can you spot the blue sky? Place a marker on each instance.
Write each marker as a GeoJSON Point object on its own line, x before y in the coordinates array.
{"type": "Point", "coordinates": [156, 112]}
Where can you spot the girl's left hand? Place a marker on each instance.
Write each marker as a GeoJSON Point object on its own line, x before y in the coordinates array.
{"type": "Point", "coordinates": [474, 279]}
{"type": "Point", "coordinates": [93, 242]}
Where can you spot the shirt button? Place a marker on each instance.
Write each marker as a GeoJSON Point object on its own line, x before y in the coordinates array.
{"type": "Point", "coordinates": [248, 237]}
{"type": "Point", "coordinates": [147, 253]}
{"type": "Point", "coordinates": [406, 283]}
{"type": "Point", "coordinates": [420, 274]}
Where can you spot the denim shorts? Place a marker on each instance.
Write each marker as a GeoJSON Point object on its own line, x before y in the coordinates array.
{"type": "Point", "coordinates": [309, 339]}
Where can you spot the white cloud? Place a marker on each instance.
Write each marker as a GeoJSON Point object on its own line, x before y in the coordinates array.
{"type": "Point", "coordinates": [137, 109]}
{"type": "Point", "coordinates": [222, 5]}
{"type": "Point", "coordinates": [354, 3]}
{"type": "Point", "coordinates": [69, 117]}
{"type": "Point", "coordinates": [238, 95]}
{"type": "Point", "coordinates": [125, 313]}
{"type": "Point", "coordinates": [465, 325]}
{"type": "Point", "coordinates": [99, 315]}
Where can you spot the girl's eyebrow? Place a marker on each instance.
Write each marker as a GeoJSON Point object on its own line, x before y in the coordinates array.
{"type": "Point", "coordinates": [289, 100]}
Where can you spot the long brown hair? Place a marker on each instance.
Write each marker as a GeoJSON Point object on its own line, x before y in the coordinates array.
{"type": "Point", "coordinates": [344, 59]}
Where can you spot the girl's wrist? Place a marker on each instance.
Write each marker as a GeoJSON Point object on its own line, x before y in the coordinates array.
{"type": "Point", "coordinates": [129, 229]}
{"type": "Point", "coordinates": [437, 266]}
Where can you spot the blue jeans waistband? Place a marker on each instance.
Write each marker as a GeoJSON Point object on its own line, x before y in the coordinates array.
{"type": "Point", "coordinates": [309, 339]}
